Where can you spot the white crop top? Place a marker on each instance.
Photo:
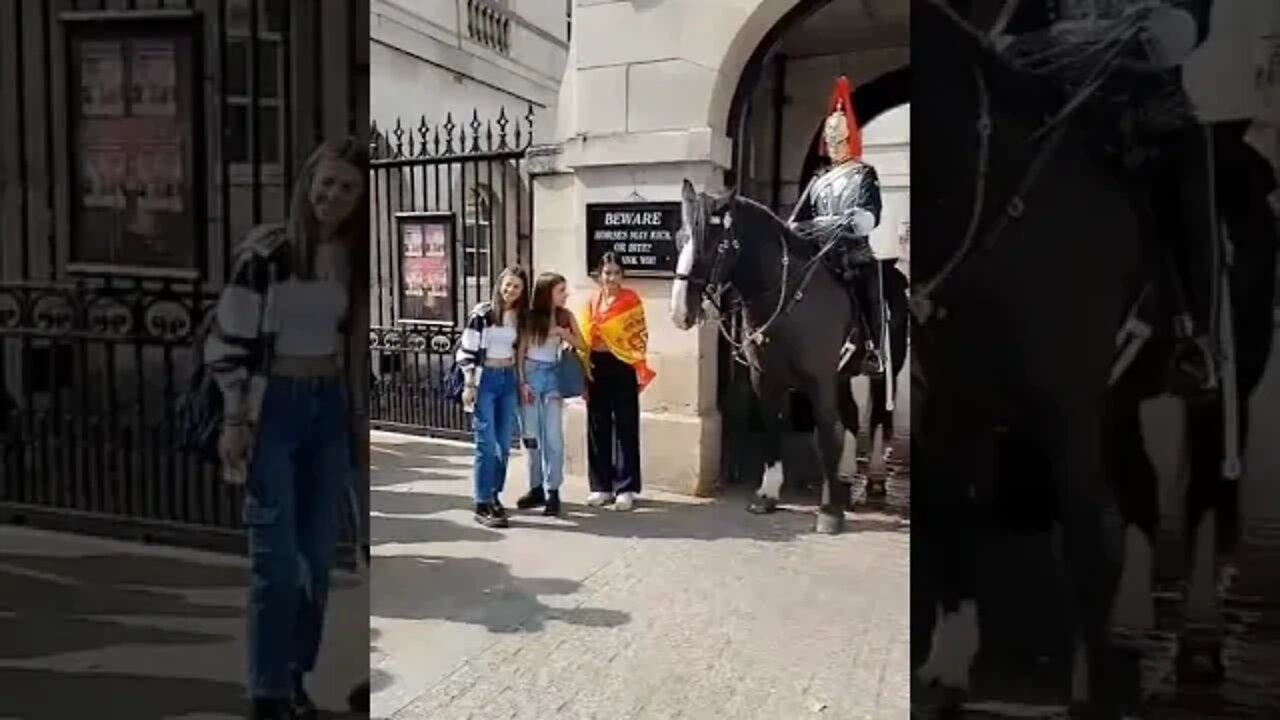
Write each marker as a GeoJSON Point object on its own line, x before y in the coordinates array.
{"type": "Point", "coordinates": [500, 340]}
{"type": "Point", "coordinates": [304, 315]}
{"type": "Point", "coordinates": [547, 351]}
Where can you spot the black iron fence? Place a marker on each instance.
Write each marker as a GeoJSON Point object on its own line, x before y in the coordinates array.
{"type": "Point", "coordinates": [140, 141]}
{"type": "Point", "coordinates": [452, 205]}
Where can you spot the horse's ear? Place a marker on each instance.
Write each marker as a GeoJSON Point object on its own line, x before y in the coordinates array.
{"type": "Point", "coordinates": [687, 192]}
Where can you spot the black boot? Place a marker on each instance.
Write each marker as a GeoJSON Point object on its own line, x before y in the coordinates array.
{"type": "Point", "coordinates": [358, 698]}
{"type": "Point", "coordinates": [301, 703]}
{"type": "Point", "coordinates": [533, 499]}
{"type": "Point", "coordinates": [486, 516]}
{"type": "Point", "coordinates": [552, 508]}
{"type": "Point", "coordinates": [271, 709]}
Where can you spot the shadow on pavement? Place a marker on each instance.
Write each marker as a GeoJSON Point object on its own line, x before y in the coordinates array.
{"type": "Point", "coordinates": [415, 503]}
{"type": "Point", "coordinates": [444, 588]}
{"type": "Point", "coordinates": [63, 604]}
{"type": "Point", "coordinates": [724, 518]}
{"type": "Point", "coordinates": [58, 605]}
{"type": "Point", "coordinates": [405, 529]}
{"type": "Point", "coordinates": [378, 679]}
{"type": "Point", "coordinates": [48, 695]}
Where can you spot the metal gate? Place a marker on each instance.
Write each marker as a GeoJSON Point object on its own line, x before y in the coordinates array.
{"type": "Point", "coordinates": [452, 205]}
{"type": "Point", "coordinates": [106, 268]}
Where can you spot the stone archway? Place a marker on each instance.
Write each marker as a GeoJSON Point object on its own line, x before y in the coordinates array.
{"type": "Point", "coordinates": [639, 112]}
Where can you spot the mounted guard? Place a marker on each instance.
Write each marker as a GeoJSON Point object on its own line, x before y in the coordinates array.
{"type": "Point", "coordinates": [1149, 126]}
{"type": "Point", "coordinates": [837, 211]}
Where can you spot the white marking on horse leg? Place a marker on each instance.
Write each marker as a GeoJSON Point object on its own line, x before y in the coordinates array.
{"type": "Point", "coordinates": [771, 483]}
{"type": "Point", "coordinates": [680, 288]}
{"type": "Point", "coordinates": [1080, 674]}
{"type": "Point", "coordinates": [1202, 586]}
{"type": "Point", "coordinates": [1134, 606]}
{"type": "Point", "coordinates": [955, 644]}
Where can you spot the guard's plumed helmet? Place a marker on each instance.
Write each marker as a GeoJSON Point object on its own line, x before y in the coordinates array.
{"type": "Point", "coordinates": [841, 137]}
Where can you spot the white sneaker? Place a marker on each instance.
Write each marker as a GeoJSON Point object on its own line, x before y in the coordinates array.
{"type": "Point", "coordinates": [599, 499]}
{"type": "Point", "coordinates": [626, 501]}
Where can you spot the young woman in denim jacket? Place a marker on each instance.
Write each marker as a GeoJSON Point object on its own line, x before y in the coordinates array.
{"type": "Point", "coordinates": [487, 355]}
{"type": "Point", "coordinates": [279, 347]}
{"type": "Point", "coordinates": [548, 328]}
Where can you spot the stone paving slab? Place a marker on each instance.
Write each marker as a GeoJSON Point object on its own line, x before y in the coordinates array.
{"type": "Point", "coordinates": [683, 609]}
{"type": "Point", "coordinates": [94, 628]}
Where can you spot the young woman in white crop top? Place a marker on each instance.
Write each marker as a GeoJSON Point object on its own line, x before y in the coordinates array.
{"type": "Point", "coordinates": [279, 346]}
{"type": "Point", "coordinates": [548, 328]}
{"type": "Point", "coordinates": [487, 355]}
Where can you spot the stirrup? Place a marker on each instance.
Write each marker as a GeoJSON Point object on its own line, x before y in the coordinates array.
{"type": "Point", "coordinates": [872, 363]}
{"type": "Point", "coordinates": [1193, 368]}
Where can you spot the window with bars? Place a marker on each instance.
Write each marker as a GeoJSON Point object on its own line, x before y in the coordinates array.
{"type": "Point", "coordinates": [477, 236]}
{"type": "Point", "coordinates": [255, 113]}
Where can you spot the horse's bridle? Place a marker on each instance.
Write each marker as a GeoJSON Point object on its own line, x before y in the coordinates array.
{"type": "Point", "coordinates": [712, 288]}
{"type": "Point", "coordinates": [923, 306]}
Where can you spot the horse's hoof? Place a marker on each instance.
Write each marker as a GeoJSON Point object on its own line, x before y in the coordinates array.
{"type": "Point", "coordinates": [1199, 662]}
{"type": "Point", "coordinates": [933, 701]}
{"type": "Point", "coordinates": [762, 505]}
{"type": "Point", "coordinates": [829, 523]}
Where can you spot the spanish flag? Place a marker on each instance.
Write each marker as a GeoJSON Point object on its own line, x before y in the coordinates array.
{"type": "Point", "coordinates": [622, 328]}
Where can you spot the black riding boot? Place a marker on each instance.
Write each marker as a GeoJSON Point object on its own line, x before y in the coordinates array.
{"type": "Point", "coordinates": [1182, 201]}
{"type": "Point", "coordinates": [873, 304]}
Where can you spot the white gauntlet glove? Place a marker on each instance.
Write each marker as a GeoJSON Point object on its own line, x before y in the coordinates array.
{"type": "Point", "coordinates": [1168, 35]}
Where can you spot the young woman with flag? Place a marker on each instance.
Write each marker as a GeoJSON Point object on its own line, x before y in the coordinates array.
{"type": "Point", "coordinates": [614, 326]}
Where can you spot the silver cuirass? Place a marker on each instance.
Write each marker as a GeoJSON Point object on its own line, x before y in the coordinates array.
{"type": "Point", "coordinates": [844, 188]}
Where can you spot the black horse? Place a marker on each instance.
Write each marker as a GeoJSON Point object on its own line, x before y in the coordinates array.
{"type": "Point", "coordinates": [1053, 346]}
{"type": "Point", "coordinates": [797, 316]}
{"type": "Point", "coordinates": [1216, 424]}
{"type": "Point", "coordinates": [1027, 256]}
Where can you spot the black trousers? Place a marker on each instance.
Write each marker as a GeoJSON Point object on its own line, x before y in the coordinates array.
{"type": "Point", "coordinates": [613, 426]}
{"type": "Point", "coordinates": [1180, 191]}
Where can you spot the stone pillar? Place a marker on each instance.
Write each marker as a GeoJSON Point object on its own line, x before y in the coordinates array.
{"type": "Point", "coordinates": [680, 423]}
{"type": "Point", "coordinates": [643, 105]}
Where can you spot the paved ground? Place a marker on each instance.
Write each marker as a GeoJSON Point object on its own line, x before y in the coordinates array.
{"type": "Point", "coordinates": [683, 609]}
{"type": "Point", "coordinates": [95, 628]}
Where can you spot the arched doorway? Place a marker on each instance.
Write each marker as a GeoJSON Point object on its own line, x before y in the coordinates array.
{"type": "Point", "coordinates": [773, 120]}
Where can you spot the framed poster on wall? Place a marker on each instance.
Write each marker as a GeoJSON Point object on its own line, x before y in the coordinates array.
{"type": "Point", "coordinates": [426, 246]}
{"type": "Point", "coordinates": [135, 142]}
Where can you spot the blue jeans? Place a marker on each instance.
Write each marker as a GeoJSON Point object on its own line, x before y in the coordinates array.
{"type": "Point", "coordinates": [494, 422]}
{"type": "Point", "coordinates": [543, 425]}
{"type": "Point", "coordinates": [296, 492]}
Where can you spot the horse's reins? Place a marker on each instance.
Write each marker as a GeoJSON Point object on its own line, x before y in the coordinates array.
{"type": "Point", "coordinates": [921, 303]}
{"type": "Point", "coordinates": [713, 287]}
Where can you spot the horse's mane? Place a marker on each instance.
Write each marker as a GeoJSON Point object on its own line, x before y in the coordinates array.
{"type": "Point", "coordinates": [798, 245]}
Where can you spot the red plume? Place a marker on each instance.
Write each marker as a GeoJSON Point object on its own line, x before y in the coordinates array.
{"type": "Point", "coordinates": [842, 95]}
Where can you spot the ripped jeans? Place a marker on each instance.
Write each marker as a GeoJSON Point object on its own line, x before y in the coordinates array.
{"type": "Point", "coordinates": [298, 480]}
{"type": "Point", "coordinates": [542, 426]}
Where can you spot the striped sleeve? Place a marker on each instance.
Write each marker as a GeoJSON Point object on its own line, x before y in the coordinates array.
{"type": "Point", "coordinates": [235, 346]}
{"type": "Point", "coordinates": [471, 347]}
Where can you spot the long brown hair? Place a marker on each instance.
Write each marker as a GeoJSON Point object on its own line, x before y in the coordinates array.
{"type": "Point", "coordinates": [522, 304]}
{"type": "Point", "coordinates": [354, 231]}
{"type": "Point", "coordinates": [543, 310]}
